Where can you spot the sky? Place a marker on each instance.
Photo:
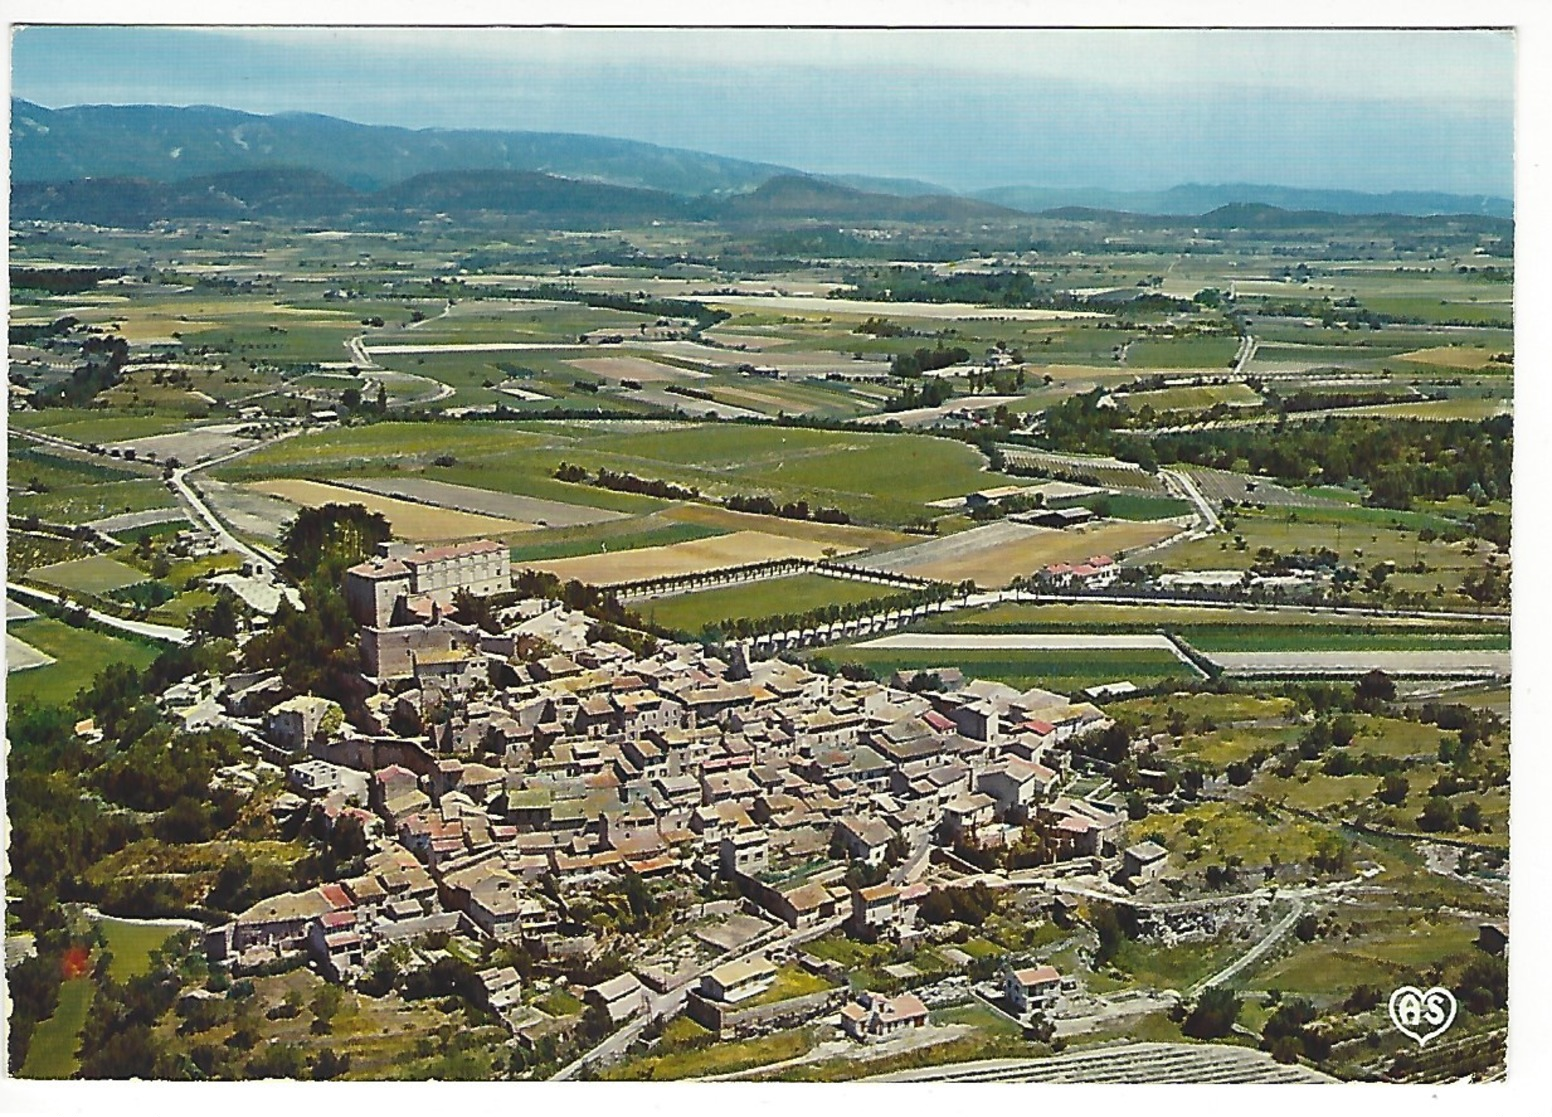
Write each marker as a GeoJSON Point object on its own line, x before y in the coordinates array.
{"type": "Point", "coordinates": [1112, 109]}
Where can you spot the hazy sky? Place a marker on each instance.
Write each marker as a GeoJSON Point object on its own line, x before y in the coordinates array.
{"type": "Point", "coordinates": [1408, 110]}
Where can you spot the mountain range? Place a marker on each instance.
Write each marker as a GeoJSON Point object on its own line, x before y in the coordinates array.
{"type": "Point", "coordinates": [188, 161]}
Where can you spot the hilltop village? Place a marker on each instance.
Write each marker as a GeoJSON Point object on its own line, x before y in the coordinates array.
{"type": "Point", "coordinates": [507, 776]}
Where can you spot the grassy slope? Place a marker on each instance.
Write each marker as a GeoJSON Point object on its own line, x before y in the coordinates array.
{"type": "Point", "coordinates": [81, 653]}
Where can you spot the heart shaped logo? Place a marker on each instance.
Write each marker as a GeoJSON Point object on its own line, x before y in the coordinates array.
{"type": "Point", "coordinates": [1422, 1014]}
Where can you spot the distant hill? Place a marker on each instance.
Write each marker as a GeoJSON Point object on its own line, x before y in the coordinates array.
{"type": "Point", "coordinates": [168, 144]}
{"type": "Point", "coordinates": [1194, 198]}
{"type": "Point", "coordinates": [549, 201]}
{"type": "Point", "coordinates": [1255, 215]}
{"type": "Point", "coordinates": [527, 193]}
{"type": "Point", "coordinates": [904, 187]}
{"type": "Point", "coordinates": [300, 194]}
{"type": "Point", "coordinates": [180, 146]}
{"type": "Point", "coordinates": [524, 196]}
{"type": "Point", "coordinates": [805, 196]}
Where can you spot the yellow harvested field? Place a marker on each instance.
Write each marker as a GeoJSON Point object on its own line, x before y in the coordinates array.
{"type": "Point", "coordinates": [995, 567]}
{"type": "Point", "coordinates": [691, 557]}
{"type": "Point", "coordinates": [633, 368]}
{"type": "Point", "coordinates": [417, 523]}
{"type": "Point", "coordinates": [1452, 356]}
{"type": "Point", "coordinates": [848, 538]}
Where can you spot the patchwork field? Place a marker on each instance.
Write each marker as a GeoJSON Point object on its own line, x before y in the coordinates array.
{"type": "Point", "coordinates": [485, 502]}
{"type": "Point", "coordinates": [97, 427]}
{"type": "Point", "coordinates": [690, 557]}
{"type": "Point", "coordinates": [877, 479]}
{"type": "Point", "coordinates": [418, 523]}
{"type": "Point", "coordinates": [91, 500]}
{"type": "Point", "coordinates": [847, 538]}
{"type": "Point", "coordinates": [994, 555]}
{"type": "Point", "coordinates": [635, 368]}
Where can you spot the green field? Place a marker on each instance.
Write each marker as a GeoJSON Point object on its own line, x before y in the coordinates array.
{"type": "Point", "coordinates": [1230, 829]}
{"type": "Point", "coordinates": [33, 466]}
{"type": "Point", "coordinates": [95, 575]}
{"type": "Point", "coordinates": [99, 426]}
{"type": "Point", "coordinates": [1227, 630]}
{"type": "Point", "coordinates": [51, 1053]}
{"type": "Point", "coordinates": [1173, 967]}
{"type": "Point", "coordinates": [1362, 536]}
{"type": "Point", "coordinates": [879, 479]}
{"type": "Point", "coordinates": [1182, 352]}
{"type": "Point", "coordinates": [558, 1002]}
{"type": "Point", "coordinates": [1132, 506]}
{"type": "Point", "coordinates": [616, 535]}
{"type": "Point", "coordinates": [131, 945]}
{"type": "Point", "coordinates": [80, 653]}
{"type": "Point", "coordinates": [1392, 947]}
{"type": "Point", "coordinates": [791, 981]}
{"type": "Point", "coordinates": [693, 611]}
{"type": "Point", "coordinates": [1220, 748]}
{"type": "Point", "coordinates": [1153, 714]}
{"type": "Point", "coordinates": [1335, 637]}
{"type": "Point", "coordinates": [81, 503]}
{"type": "Point", "coordinates": [1440, 410]}
{"type": "Point", "coordinates": [1062, 671]}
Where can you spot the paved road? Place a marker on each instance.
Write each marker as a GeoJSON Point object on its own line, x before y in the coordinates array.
{"type": "Point", "coordinates": [1255, 953]}
{"type": "Point", "coordinates": [1247, 350]}
{"type": "Point", "coordinates": [205, 515]}
{"type": "Point", "coordinates": [1183, 485]}
{"type": "Point", "coordinates": [358, 352]}
{"type": "Point", "coordinates": [136, 628]}
{"type": "Point", "coordinates": [918, 859]}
